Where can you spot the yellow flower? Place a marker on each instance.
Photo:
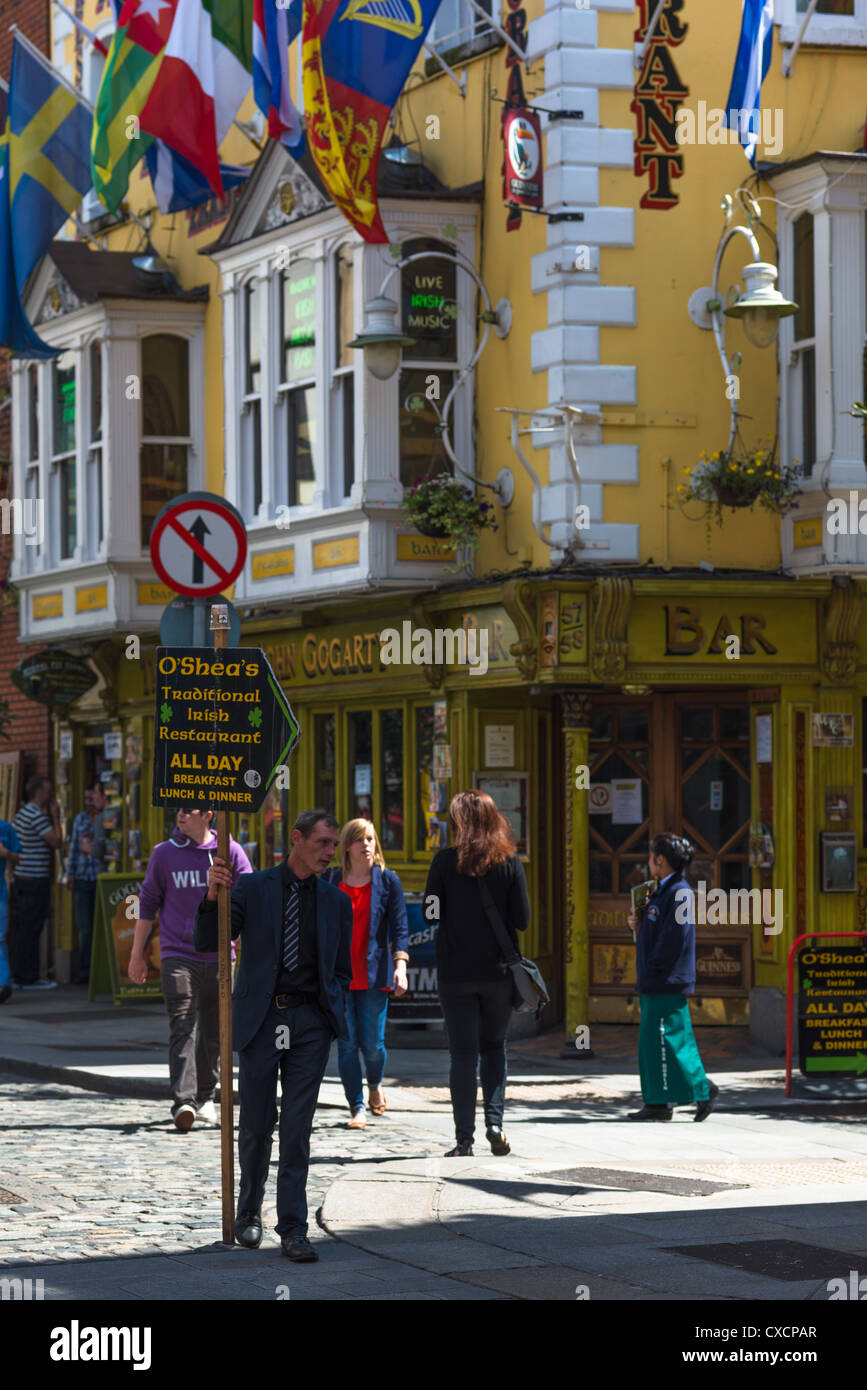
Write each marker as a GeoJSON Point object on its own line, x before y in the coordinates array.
{"type": "Point", "coordinates": [751, 470]}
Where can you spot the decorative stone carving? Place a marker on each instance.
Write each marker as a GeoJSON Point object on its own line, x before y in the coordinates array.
{"type": "Point", "coordinates": [293, 198]}
{"type": "Point", "coordinates": [549, 623]}
{"type": "Point", "coordinates": [841, 612]}
{"type": "Point", "coordinates": [520, 604]}
{"type": "Point", "coordinates": [577, 707]}
{"type": "Point", "coordinates": [612, 602]}
{"type": "Point", "coordinates": [59, 300]}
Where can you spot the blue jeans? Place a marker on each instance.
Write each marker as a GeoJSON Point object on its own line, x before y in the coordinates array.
{"type": "Point", "coordinates": [365, 1019]}
{"type": "Point", "coordinates": [4, 957]}
{"type": "Point", "coordinates": [84, 906]}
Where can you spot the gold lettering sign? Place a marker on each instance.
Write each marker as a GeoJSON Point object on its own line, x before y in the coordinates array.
{"type": "Point", "coordinates": [88, 599]}
{"type": "Point", "coordinates": [148, 595]}
{"type": "Point", "coordinates": [329, 554]}
{"type": "Point", "coordinates": [685, 635]}
{"type": "Point", "coordinates": [48, 605]}
{"type": "Point", "coordinates": [423, 548]}
{"type": "Point", "coordinates": [270, 562]}
{"type": "Point", "coordinates": [807, 532]}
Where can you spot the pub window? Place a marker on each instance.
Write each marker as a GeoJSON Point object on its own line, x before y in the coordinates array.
{"type": "Point", "coordinates": [297, 389]}
{"type": "Point", "coordinates": [166, 435]}
{"type": "Point", "coordinates": [343, 381]}
{"type": "Point", "coordinates": [428, 366]}
{"type": "Point", "coordinates": [94, 453]}
{"type": "Point", "coordinates": [391, 832]}
{"type": "Point", "coordinates": [63, 489]}
{"type": "Point", "coordinates": [427, 810]}
{"type": "Point", "coordinates": [251, 408]}
{"type": "Point", "coordinates": [323, 742]}
{"type": "Point", "coordinates": [804, 347]}
{"type": "Point", "coordinates": [359, 791]}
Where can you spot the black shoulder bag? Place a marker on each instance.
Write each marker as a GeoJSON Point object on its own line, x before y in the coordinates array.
{"type": "Point", "coordinates": [529, 991]}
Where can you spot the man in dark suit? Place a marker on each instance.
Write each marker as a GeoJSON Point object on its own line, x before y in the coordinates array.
{"type": "Point", "coordinates": [287, 1007]}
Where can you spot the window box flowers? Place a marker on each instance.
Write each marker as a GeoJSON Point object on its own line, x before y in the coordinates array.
{"type": "Point", "coordinates": [441, 507]}
{"type": "Point", "coordinates": [740, 479]}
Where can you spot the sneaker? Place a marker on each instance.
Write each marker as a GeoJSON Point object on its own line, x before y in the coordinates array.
{"type": "Point", "coordinates": [208, 1113]}
{"type": "Point", "coordinates": [185, 1117]}
{"type": "Point", "coordinates": [5, 993]}
{"type": "Point", "coordinates": [40, 984]}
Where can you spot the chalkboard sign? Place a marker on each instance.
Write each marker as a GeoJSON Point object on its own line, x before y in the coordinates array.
{"type": "Point", "coordinates": [117, 903]}
{"type": "Point", "coordinates": [832, 1009]}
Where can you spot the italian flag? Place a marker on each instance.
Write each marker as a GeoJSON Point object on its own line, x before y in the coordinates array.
{"type": "Point", "coordinates": [203, 78]}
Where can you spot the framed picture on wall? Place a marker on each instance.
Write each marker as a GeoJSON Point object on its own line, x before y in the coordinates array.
{"type": "Point", "coordinates": [510, 793]}
{"type": "Point", "coordinates": [839, 861]}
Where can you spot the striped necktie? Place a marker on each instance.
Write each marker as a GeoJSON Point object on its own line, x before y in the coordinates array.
{"type": "Point", "coordinates": [292, 926]}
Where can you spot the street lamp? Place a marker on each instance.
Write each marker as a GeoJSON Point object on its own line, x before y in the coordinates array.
{"type": "Point", "coordinates": [760, 305]}
{"type": "Point", "coordinates": [381, 341]}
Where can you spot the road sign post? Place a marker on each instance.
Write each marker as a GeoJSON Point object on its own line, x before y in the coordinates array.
{"type": "Point", "coordinates": [198, 546]}
{"type": "Point", "coordinates": [220, 628]}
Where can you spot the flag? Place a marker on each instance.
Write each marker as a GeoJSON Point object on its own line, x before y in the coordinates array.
{"type": "Point", "coordinates": [204, 76]}
{"type": "Point", "coordinates": [131, 68]}
{"type": "Point", "coordinates": [44, 174]}
{"type": "Point", "coordinates": [177, 184]}
{"type": "Point", "coordinates": [356, 56]}
{"type": "Point", "coordinates": [743, 109]}
{"type": "Point", "coordinates": [274, 29]}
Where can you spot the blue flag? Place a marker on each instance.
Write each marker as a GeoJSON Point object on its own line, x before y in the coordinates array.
{"type": "Point", "coordinates": [46, 173]}
{"type": "Point", "coordinates": [178, 184]}
{"type": "Point", "coordinates": [743, 108]}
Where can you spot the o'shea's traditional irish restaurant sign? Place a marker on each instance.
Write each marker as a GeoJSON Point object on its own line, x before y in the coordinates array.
{"type": "Point", "coordinates": [659, 94]}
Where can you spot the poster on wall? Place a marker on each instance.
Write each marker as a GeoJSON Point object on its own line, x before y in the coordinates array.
{"type": "Point", "coordinates": [626, 801]}
{"type": "Point", "coordinates": [114, 923]}
{"type": "Point", "coordinates": [511, 797]}
{"type": "Point", "coordinates": [832, 731]}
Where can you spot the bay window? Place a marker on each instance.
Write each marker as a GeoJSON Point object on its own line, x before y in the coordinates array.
{"type": "Point", "coordinates": [166, 439]}
{"type": "Point", "coordinates": [428, 367]}
{"type": "Point", "coordinates": [343, 377]}
{"type": "Point", "coordinates": [297, 389]}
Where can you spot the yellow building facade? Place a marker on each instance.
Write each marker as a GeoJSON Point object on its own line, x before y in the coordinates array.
{"type": "Point", "coordinates": [615, 702]}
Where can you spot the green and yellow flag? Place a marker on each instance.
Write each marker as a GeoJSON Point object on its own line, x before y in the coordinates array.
{"type": "Point", "coordinates": [131, 68]}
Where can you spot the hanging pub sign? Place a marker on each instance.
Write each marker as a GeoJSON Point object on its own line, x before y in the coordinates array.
{"type": "Point", "coordinates": [659, 94]}
{"type": "Point", "coordinates": [53, 678]}
{"type": "Point", "coordinates": [515, 25]}
{"type": "Point", "coordinates": [522, 137]}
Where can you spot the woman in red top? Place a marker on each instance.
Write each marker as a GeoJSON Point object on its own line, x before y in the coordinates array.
{"type": "Point", "coordinates": [380, 937]}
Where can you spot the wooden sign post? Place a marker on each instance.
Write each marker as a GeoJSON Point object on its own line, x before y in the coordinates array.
{"type": "Point", "coordinates": [220, 629]}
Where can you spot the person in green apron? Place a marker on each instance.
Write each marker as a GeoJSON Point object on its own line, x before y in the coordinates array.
{"type": "Point", "coordinates": [668, 1058]}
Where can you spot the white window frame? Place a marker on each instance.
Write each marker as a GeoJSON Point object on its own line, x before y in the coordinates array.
{"type": "Point", "coordinates": [456, 23]}
{"type": "Point", "coordinates": [59, 463]}
{"type": "Point", "coordinates": [185, 441]}
{"type": "Point", "coordinates": [823, 29]}
{"type": "Point", "coordinates": [250, 401]}
{"type": "Point", "coordinates": [338, 380]}
{"type": "Point", "coordinates": [285, 389]}
{"type": "Point", "coordinates": [94, 453]}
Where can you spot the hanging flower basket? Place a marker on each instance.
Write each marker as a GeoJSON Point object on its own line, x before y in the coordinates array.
{"type": "Point", "coordinates": [739, 480]}
{"type": "Point", "coordinates": [440, 507]}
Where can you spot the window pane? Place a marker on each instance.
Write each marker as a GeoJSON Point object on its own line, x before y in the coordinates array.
{"type": "Point", "coordinates": [94, 490]}
{"type": "Point", "coordinates": [251, 451]}
{"type": "Point", "coordinates": [165, 387]}
{"type": "Point", "coordinates": [634, 725]}
{"type": "Point", "coordinates": [344, 282]}
{"type": "Point", "coordinates": [298, 303]}
{"type": "Point", "coordinates": [829, 7]}
{"type": "Point", "coordinates": [425, 812]}
{"type": "Point", "coordinates": [808, 410]}
{"type": "Point", "coordinates": [600, 875]}
{"type": "Point", "coordinates": [347, 421]}
{"type": "Point", "coordinates": [252, 337]}
{"type": "Point", "coordinates": [163, 475]}
{"type": "Point", "coordinates": [421, 448]}
{"type": "Point", "coordinates": [33, 410]}
{"type": "Point", "coordinates": [64, 404]}
{"type": "Point", "coordinates": [95, 392]}
{"type": "Point", "coordinates": [731, 804]}
{"type": "Point", "coordinates": [696, 724]}
{"type": "Point", "coordinates": [734, 723]}
{"type": "Point", "coordinates": [359, 797]}
{"type": "Point", "coordinates": [805, 322]}
{"type": "Point", "coordinates": [302, 445]}
{"type": "Point", "coordinates": [323, 753]}
{"type": "Point", "coordinates": [391, 773]}
{"type": "Point", "coordinates": [67, 509]}
{"type": "Point", "coordinates": [429, 303]}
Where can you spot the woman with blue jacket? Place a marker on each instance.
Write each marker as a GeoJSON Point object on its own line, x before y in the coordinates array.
{"type": "Point", "coordinates": [668, 1059]}
{"type": "Point", "coordinates": [380, 937]}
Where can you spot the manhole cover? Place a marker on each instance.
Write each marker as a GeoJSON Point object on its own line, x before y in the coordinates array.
{"type": "Point", "coordinates": [674, 1184]}
{"type": "Point", "coordinates": [9, 1199]}
{"type": "Point", "coordinates": [788, 1260]}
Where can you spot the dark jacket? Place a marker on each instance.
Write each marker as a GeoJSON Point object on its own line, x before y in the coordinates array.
{"type": "Point", "coordinates": [257, 917]}
{"type": "Point", "coordinates": [389, 930]}
{"type": "Point", "coordinates": [466, 946]}
{"type": "Point", "coordinates": [665, 950]}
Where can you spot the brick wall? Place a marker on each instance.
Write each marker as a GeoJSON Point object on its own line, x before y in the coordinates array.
{"type": "Point", "coordinates": [30, 730]}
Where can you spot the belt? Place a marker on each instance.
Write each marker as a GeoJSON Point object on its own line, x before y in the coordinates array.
{"type": "Point", "coordinates": [291, 1001]}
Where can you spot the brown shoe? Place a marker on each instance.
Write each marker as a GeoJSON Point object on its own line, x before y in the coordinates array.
{"type": "Point", "coordinates": [376, 1101]}
{"type": "Point", "coordinates": [358, 1121]}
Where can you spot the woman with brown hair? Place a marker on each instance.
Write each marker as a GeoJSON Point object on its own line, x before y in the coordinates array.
{"type": "Point", "coordinates": [475, 985]}
{"type": "Point", "coordinates": [380, 936]}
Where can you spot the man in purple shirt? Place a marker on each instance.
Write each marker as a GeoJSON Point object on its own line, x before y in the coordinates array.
{"type": "Point", "coordinates": [177, 873]}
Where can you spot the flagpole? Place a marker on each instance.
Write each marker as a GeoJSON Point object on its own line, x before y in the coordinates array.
{"type": "Point", "coordinates": [82, 28]}
{"type": "Point", "coordinates": [789, 59]}
{"type": "Point", "coordinates": [49, 67]}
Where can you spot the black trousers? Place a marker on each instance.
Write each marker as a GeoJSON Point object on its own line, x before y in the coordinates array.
{"type": "Point", "coordinates": [300, 1057]}
{"type": "Point", "coordinates": [32, 905]}
{"type": "Point", "coordinates": [477, 1014]}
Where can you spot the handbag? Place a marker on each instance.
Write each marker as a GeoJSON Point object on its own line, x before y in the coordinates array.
{"type": "Point", "coordinates": [529, 991]}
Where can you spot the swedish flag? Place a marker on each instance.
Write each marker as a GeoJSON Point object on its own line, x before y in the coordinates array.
{"type": "Point", "coordinates": [44, 174]}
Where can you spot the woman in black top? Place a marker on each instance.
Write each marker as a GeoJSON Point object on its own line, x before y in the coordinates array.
{"type": "Point", "coordinates": [475, 987]}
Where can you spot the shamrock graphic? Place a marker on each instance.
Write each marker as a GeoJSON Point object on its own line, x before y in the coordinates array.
{"type": "Point", "coordinates": [255, 716]}
{"type": "Point", "coordinates": [165, 712]}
